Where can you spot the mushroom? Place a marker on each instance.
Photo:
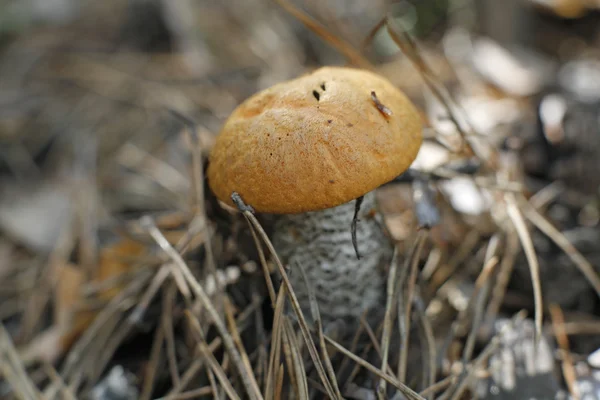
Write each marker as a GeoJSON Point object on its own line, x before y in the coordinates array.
{"type": "Point", "coordinates": [304, 150]}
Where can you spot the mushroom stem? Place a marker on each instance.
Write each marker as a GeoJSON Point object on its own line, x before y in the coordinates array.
{"type": "Point", "coordinates": [321, 242]}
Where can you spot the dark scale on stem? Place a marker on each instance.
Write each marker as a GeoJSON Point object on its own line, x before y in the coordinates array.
{"type": "Point", "coordinates": [357, 205]}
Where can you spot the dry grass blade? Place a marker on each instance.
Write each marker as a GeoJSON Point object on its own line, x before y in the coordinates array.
{"type": "Point", "coordinates": [279, 387]}
{"type": "Point", "coordinates": [147, 165]}
{"type": "Point", "coordinates": [276, 337]}
{"type": "Point", "coordinates": [45, 283]}
{"type": "Point", "coordinates": [65, 391]}
{"type": "Point", "coordinates": [372, 33]}
{"type": "Point", "coordinates": [210, 359]}
{"type": "Point", "coordinates": [295, 357]}
{"type": "Point", "coordinates": [316, 315]}
{"type": "Point", "coordinates": [115, 338]}
{"type": "Point", "coordinates": [355, 340]}
{"type": "Point", "coordinates": [502, 279]}
{"type": "Point", "coordinates": [586, 268]}
{"type": "Point", "coordinates": [517, 219]}
{"type": "Point", "coordinates": [198, 185]}
{"type": "Point", "coordinates": [158, 280]}
{"type": "Point", "coordinates": [545, 195]}
{"type": "Point", "coordinates": [192, 371]}
{"type": "Point", "coordinates": [430, 341]}
{"type": "Point", "coordinates": [167, 322]}
{"type": "Point", "coordinates": [265, 267]}
{"type": "Point", "coordinates": [373, 343]}
{"type": "Point", "coordinates": [404, 389]}
{"type": "Point", "coordinates": [353, 56]}
{"type": "Point", "coordinates": [413, 259]}
{"type": "Point", "coordinates": [155, 355]}
{"type": "Point", "coordinates": [292, 296]}
{"type": "Point", "coordinates": [436, 387]}
{"type": "Point", "coordinates": [238, 341]}
{"type": "Point", "coordinates": [290, 362]}
{"type": "Point", "coordinates": [582, 328]}
{"type": "Point", "coordinates": [387, 320]}
{"type": "Point", "coordinates": [193, 394]}
{"type": "Point", "coordinates": [558, 325]}
{"type": "Point", "coordinates": [13, 370]}
{"type": "Point", "coordinates": [197, 175]}
{"type": "Point", "coordinates": [460, 255]}
{"type": "Point", "coordinates": [247, 379]}
{"type": "Point", "coordinates": [408, 46]}
{"type": "Point", "coordinates": [482, 288]}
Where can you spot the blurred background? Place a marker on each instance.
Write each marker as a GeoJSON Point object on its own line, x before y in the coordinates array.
{"type": "Point", "coordinates": [108, 111]}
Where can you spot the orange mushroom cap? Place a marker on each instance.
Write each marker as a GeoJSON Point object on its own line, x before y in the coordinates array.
{"type": "Point", "coordinates": [315, 142]}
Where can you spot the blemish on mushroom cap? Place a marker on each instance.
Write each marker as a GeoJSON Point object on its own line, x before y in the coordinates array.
{"type": "Point", "coordinates": [287, 123]}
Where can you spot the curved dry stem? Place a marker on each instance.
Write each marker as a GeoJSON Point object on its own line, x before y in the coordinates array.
{"type": "Point", "coordinates": [517, 219]}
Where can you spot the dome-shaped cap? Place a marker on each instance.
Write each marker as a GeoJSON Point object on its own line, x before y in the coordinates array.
{"type": "Point", "coordinates": [315, 142]}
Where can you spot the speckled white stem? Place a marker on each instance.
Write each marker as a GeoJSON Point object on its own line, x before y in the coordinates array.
{"type": "Point", "coordinates": [321, 242]}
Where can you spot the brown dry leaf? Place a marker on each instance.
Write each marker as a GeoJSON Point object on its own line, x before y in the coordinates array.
{"type": "Point", "coordinates": [70, 320]}
{"type": "Point", "coordinates": [72, 316]}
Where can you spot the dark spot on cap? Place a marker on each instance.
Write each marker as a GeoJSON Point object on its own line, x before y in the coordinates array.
{"type": "Point", "coordinates": [349, 125]}
{"type": "Point", "coordinates": [331, 181]}
{"type": "Point", "coordinates": [329, 121]}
